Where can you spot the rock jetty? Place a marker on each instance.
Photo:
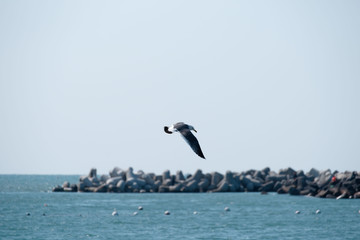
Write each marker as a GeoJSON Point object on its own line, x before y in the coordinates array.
{"type": "Point", "coordinates": [322, 184]}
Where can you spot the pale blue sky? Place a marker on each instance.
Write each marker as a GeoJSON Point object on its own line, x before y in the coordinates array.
{"type": "Point", "coordinates": [92, 83]}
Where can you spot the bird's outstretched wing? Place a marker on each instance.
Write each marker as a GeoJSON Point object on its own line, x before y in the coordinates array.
{"type": "Point", "coordinates": [192, 141]}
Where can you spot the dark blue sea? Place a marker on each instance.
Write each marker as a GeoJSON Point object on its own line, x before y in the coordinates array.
{"type": "Point", "coordinates": [29, 210]}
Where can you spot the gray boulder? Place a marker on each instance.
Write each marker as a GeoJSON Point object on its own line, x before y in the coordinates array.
{"type": "Point", "coordinates": [342, 176]}
{"type": "Point", "coordinates": [250, 172]}
{"type": "Point", "coordinates": [167, 182]}
{"type": "Point", "coordinates": [223, 187]}
{"type": "Point", "coordinates": [344, 195]}
{"type": "Point", "coordinates": [250, 183]}
{"type": "Point", "coordinates": [350, 186]}
{"type": "Point", "coordinates": [250, 187]}
{"type": "Point", "coordinates": [120, 185]}
{"type": "Point", "coordinates": [300, 173]}
{"type": "Point", "coordinates": [216, 178]}
{"type": "Point", "coordinates": [139, 173]}
{"type": "Point", "coordinates": [66, 184]}
{"type": "Point", "coordinates": [322, 193]}
{"type": "Point", "coordinates": [133, 181]}
{"type": "Point", "coordinates": [275, 178]}
{"type": "Point", "coordinates": [233, 182]}
{"type": "Point", "coordinates": [357, 195]}
{"type": "Point", "coordinates": [233, 188]}
{"type": "Point", "coordinates": [67, 189]}
{"type": "Point", "coordinates": [95, 181]}
{"type": "Point", "coordinates": [104, 178]}
{"type": "Point", "coordinates": [166, 175]}
{"type": "Point", "coordinates": [117, 172]}
{"type": "Point", "coordinates": [113, 180]}
{"type": "Point", "coordinates": [267, 187]}
{"type": "Point", "coordinates": [132, 186]}
{"type": "Point", "coordinates": [163, 189]}
{"type": "Point", "coordinates": [130, 173]}
{"type": "Point", "coordinates": [324, 178]}
{"type": "Point", "coordinates": [203, 185]}
{"type": "Point", "coordinates": [329, 195]}
{"type": "Point", "coordinates": [208, 177]}
{"type": "Point", "coordinates": [86, 181]}
{"type": "Point", "coordinates": [58, 188]}
{"type": "Point", "coordinates": [277, 186]}
{"type": "Point", "coordinates": [74, 187]}
{"type": "Point", "coordinates": [148, 188]}
{"type": "Point", "coordinates": [179, 177]}
{"type": "Point", "coordinates": [151, 175]}
{"type": "Point", "coordinates": [265, 171]}
{"type": "Point", "coordinates": [259, 176]}
{"type": "Point", "coordinates": [192, 186]}
{"type": "Point", "coordinates": [313, 172]}
{"type": "Point", "coordinates": [287, 171]}
{"type": "Point", "coordinates": [92, 173]}
{"type": "Point", "coordinates": [81, 187]}
{"type": "Point", "coordinates": [101, 188]}
{"type": "Point", "coordinates": [158, 178]}
{"type": "Point", "coordinates": [293, 190]}
{"type": "Point", "coordinates": [176, 188]}
{"type": "Point", "coordinates": [301, 182]}
{"type": "Point", "coordinates": [335, 190]}
{"type": "Point", "coordinates": [283, 190]}
{"type": "Point", "coordinates": [198, 175]}
{"type": "Point", "coordinates": [148, 179]}
{"type": "Point", "coordinates": [156, 185]}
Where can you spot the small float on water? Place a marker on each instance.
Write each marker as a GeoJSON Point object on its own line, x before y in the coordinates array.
{"type": "Point", "coordinates": [115, 213]}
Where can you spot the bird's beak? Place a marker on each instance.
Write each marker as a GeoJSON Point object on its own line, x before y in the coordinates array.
{"type": "Point", "coordinates": [195, 131]}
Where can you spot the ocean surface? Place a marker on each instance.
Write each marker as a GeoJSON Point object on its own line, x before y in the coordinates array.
{"type": "Point", "coordinates": [29, 210]}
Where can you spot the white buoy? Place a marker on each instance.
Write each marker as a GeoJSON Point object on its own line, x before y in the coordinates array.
{"type": "Point", "coordinates": [195, 212]}
{"type": "Point", "coordinates": [135, 213]}
{"type": "Point", "coordinates": [115, 213]}
{"type": "Point", "coordinates": [318, 211]}
{"type": "Point", "coordinates": [297, 212]}
{"type": "Point", "coordinates": [167, 212]}
{"type": "Point", "coordinates": [140, 208]}
{"type": "Point", "coordinates": [227, 209]}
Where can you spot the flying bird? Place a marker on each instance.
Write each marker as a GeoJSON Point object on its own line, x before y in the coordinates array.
{"type": "Point", "coordinates": [185, 131]}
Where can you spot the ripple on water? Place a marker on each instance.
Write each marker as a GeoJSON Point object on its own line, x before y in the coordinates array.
{"type": "Point", "coordinates": [252, 216]}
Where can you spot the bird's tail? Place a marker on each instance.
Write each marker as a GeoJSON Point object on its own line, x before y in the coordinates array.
{"type": "Point", "coordinates": [166, 129]}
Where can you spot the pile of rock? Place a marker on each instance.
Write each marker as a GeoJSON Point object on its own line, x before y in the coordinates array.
{"type": "Point", "coordinates": [324, 184]}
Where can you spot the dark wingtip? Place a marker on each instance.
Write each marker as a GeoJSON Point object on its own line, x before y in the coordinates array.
{"type": "Point", "coordinates": [201, 155]}
{"type": "Point", "coordinates": [166, 129]}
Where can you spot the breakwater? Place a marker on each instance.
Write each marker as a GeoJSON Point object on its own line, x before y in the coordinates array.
{"type": "Point", "coordinates": [323, 184]}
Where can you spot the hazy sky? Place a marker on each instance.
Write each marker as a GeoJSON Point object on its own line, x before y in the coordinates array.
{"type": "Point", "coordinates": [92, 83]}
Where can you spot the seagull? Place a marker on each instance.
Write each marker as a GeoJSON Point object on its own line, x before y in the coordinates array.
{"type": "Point", "coordinates": [185, 131]}
{"type": "Point", "coordinates": [115, 213]}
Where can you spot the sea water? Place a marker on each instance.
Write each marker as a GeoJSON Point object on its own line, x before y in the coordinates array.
{"type": "Point", "coordinates": [29, 210]}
